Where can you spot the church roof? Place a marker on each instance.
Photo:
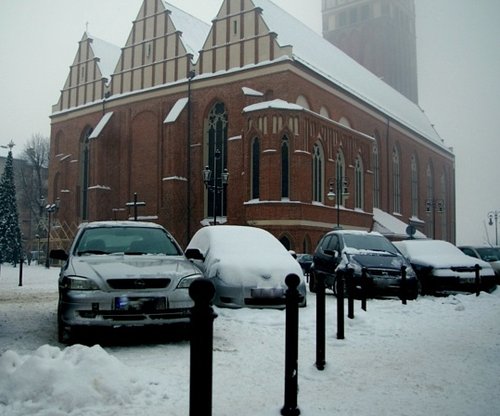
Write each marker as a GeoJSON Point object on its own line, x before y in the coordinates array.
{"type": "Point", "coordinates": [107, 53]}
{"type": "Point", "coordinates": [315, 52]}
{"type": "Point", "coordinates": [194, 31]}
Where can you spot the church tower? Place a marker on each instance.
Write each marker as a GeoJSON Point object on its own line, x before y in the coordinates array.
{"type": "Point", "coordinates": [380, 35]}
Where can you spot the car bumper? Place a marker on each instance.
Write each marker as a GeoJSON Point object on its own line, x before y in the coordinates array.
{"type": "Point", "coordinates": [108, 310]}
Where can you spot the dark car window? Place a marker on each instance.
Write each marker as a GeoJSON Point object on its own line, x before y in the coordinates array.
{"type": "Point", "coordinates": [369, 242]}
{"type": "Point", "coordinates": [128, 240]}
{"type": "Point", "coordinates": [489, 253]}
{"type": "Point", "coordinates": [469, 252]}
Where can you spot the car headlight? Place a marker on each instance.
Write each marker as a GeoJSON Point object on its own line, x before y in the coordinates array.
{"type": "Point", "coordinates": [410, 272]}
{"type": "Point", "coordinates": [78, 283]}
{"type": "Point", "coordinates": [185, 282]}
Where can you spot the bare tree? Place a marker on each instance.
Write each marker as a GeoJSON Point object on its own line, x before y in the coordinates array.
{"type": "Point", "coordinates": [34, 175]}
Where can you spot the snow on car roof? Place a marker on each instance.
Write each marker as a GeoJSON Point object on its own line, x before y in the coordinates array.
{"type": "Point", "coordinates": [95, 224]}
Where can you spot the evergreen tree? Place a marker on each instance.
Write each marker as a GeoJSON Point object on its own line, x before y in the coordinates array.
{"type": "Point", "coordinates": [10, 232]}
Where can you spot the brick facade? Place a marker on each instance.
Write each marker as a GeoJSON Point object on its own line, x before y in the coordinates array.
{"type": "Point", "coordinates": [137, 152]}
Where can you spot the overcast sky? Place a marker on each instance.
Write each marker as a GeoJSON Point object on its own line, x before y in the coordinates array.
{"type": "Point", "coordinates": [458, 44]}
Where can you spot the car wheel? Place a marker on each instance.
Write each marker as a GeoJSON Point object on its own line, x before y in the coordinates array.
{"type": "Point", "coordinates": [312, 282]}
{"type": "Point", "coordinates": [63, 331]}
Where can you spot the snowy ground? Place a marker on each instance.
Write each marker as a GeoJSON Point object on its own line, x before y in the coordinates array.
{"type": "Point", "coordinates": [434, 356]}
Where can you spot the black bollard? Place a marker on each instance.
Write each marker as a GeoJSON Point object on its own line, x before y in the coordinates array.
{"type": "Point", "coordinates": [477, 268]}
{"type": "Point", "coordinates": [363, 288]}
{"type": "Point", "coordinates": [21, 271]}
{"type": "Point", "coordinates": [340, 304]}
{"type": "Point", "coordinates": [320, 321]}
{"type": "Point", "coordinates": [202, 316]}
{"type": "Point", "coordinates": [291, 346]}
{"type": "Point", "coordinates": [350, 293]}
{"type": "Point", "coordinates": [403, 285]}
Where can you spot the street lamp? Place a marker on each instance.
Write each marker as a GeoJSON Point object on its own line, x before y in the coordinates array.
{"type": "Point", "coordinates": [340, 184]}
{"type": "Point", "coordinates": [494, 215]}
{"type": "Point", "coordinates": [214, 187]}
{"type": "Point", "coordinates": [50, 208]}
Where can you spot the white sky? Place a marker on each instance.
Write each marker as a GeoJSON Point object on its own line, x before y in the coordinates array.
{"type": "Point", "coordinates": [458, 58]}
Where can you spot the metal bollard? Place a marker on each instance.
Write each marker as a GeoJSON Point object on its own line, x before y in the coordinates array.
{"type": "Point", "coordinates": [403, 285]}
{"type": "Point", "coordinates": [350, 293]}
{"type": "Point", "coordinates": [340, 304]}
{"type": "Point", "coordinates": [21, 271]}
{"type": "Point", "coordinates": [291, 346]}
{"type": "Point", "coordinates": [477, 268]}
{"type": "Point", "coordinates": [320, 321]}
{"type": "Point", "coordinates": [202, 316]}
{"type": "Point", "coordinates": [363, 289]}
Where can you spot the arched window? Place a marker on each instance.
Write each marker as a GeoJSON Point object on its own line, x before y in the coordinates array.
{"type": "Point", "coordinates": [376, 175]}
{"type": "Point", "coordinates": [341, 179]}
{"type": "Point", "coordinates": [396, 180]}
{"type": "Point", "coordinates": [216, 139]}
{"type": "Point", "coordinates": [442, 207]}
{"type": "Point", "coordinates": [359, 184]}
{"type": "Point", "coordinates": [256, 168]}
{"type": "Point", "coordinates": [285, 168]}
{"type": "Point", "coordinates": [318, 173]}
{"type": "Point", "coordinates": [85, 173]}
{"type": "Point", "coordinates": [430, 201]}
{"type": "Point", "coordinates": [302, 101]}
{"type": "Point", "coordinates": [344, 122]}
{"type": "Point", "coordinates": [414, 186]}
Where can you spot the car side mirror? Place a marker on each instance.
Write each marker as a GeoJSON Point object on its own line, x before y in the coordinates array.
{"type": "Point", "coordinates": [58, 255]}
{"type": "Point", "coordinates": [332, 253]}
{"type": "Point", "coordinates": [194, 254]}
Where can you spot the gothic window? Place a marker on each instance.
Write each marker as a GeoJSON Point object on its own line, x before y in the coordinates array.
{"type": "Point", "coordinates": [341, 179]}
{"type": "Point", "coordinates": [414, 186]}
{"type": "Point", "coordinates": [396, 180]}
{"type": "Point", "coordinates": [285, 168]}
{"type": "Point", "coordinates": [318, 173]}
{"type": "Point", "coordinates": [376, 176]}
{"type": "Point", "coordinates": [84, 173]}
{"type": "Point", "coordinates": [216, 140]}
{"type": "Point", "coordinates": [430, 199]}
{"type": "Point", "coordinates": [359, 184]}
{"type": "Point", "coordinates": [256, 168]}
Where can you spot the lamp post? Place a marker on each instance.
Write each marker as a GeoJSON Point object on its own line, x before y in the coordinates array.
{"type": "Point", "coordinates": [493, 215]}
{"type": "Point", "coordinates": [50, 208]}
{"type": "Point", "coordinates": [211, 182]}
{"type": "Point", "coordinates": [433, 206]}
{"type": "Point", "coordinates": [340, 185]}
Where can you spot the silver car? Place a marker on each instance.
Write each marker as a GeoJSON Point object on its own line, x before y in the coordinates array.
{"type": "Point", "coordinates": [123, 274]}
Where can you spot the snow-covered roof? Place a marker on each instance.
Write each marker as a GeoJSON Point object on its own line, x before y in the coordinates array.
{"type": "Point", "coordinates": [276, 104]}
{"type": "Point", "coordinates": [315, 52]}
{"type": "Point", "coordinates": [390, 226]}
{"type": "Point", "coordinates": [176, 110]}
{"type": "Point", "coordinates": [107, 53]}
{"type": "Point", "coordinates": [100, 126]}
{"type": "Point", "coordinates": [194, 31]}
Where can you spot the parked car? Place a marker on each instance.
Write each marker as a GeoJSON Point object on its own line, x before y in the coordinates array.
{"type": "Point", "coordinates": [247, 265]}
{"type": "Point", "coordinates": [305, 261]}
{"type": "Point", "coordinates": [487, 253]}
{"type": "Point", "coordinates": [442, 267]}
{"type": "Point", "coordinates": [123, 274]}
{"type": "Point", "coordinates": [358, 250]}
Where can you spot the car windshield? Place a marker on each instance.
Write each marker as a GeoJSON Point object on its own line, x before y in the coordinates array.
{"type": "Point", "coordinates": [127, 240]}
{"type": "Point", "coordinates": [489, 253]}
{"type": "Point", "coordinates": [369, 242]}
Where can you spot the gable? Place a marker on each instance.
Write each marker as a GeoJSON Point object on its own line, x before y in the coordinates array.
{"type": "Point", "coordinates": [89, 74]}
{"type": "Point", "coordinates": [239, 37]}
{"type": "Point", "coordinates": [160, 47]}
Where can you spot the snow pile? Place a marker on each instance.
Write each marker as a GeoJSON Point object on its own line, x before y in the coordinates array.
{"type": "Point", "coordinates": [72, 378]}
{"type": "Point", "coordinates": [433, 356]}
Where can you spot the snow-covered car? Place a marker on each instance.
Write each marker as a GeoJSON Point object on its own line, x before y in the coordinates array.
{"type": "Point", "coordinates": [443, 267]}
{"type": "Point", "coordinates": [123, 273]}
{"type": "Point", "coordinates": [247, 265]}
{"type": "Point", "coordinates": [358, 250]}
{"type": "Point", "coordinates": [486, 253]}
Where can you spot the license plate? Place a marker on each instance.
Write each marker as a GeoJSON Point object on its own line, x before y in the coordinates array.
{"type": "Point", "coordinates": [267, 293]}
{"type": "Point", "coordinates": [125, 303]}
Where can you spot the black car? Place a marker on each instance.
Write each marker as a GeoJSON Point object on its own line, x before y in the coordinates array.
{"type": "Point", "coordinates": [358, 250]}
{"type": "Point", "coordinates": [305, 261]}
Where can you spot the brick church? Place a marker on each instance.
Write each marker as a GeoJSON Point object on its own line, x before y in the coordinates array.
{"type": "Point", "coordinates": [298, 137]}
